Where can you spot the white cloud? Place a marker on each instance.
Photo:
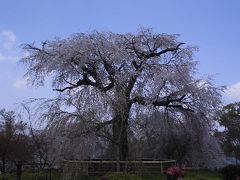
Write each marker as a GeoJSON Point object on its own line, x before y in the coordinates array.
{"type": "Point", "coordinates": [20, 83]}
{"type": "Point", "coordinates": [233, 92]}
{"type": "Point", "coordinates": [2, 57]}
{"type": "Point", "coordinates": [9, 47]}
{"type": "Point", "coordinates": [9, 39]}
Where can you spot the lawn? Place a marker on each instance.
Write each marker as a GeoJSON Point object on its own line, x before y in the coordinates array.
{"type": "Point", "coordinates": [35, 175]}
{"type": "Point", "coordinates": [192, 175]}
{"type": "Point", "coordinates": [56, 175]}
{"type": "Point", "coordinates": [203, 175]}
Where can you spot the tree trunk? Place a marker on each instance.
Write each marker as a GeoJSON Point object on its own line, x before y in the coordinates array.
{"type": "Point", "coordinates": [3, 169]}
{"type": "Point", "coordinates": [3, 164]}
{"type": "Point", "coordinates": [120, 133]}
{"type": "Point", "coordinates": [120, 140]}
{"type": "Point", "coordinates": [19, 170]}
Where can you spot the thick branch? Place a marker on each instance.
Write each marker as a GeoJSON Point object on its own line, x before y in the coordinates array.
{"type": "Point", "coordinates": [166, 102]}
{"type": "Point", "coordinates": [31, 47]}
{"type": "Point", "coordinates": [101, 125]}
{"type": "Point", "coordinates": [88, 70]}
{"type": "Point", "coordinates": [155, 54]}
{"type": "Point", "coordinates": [152, 53]}
{"type": "Point", "coordinates": [85, 81]}
{"type": "Point", "coordinates": [110, 70]}
{"type": "Point", "coordinates": [144, 56]}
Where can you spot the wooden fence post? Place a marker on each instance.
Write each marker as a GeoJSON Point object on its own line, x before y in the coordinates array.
{"type": "Point", "coordinates": [161, 168]}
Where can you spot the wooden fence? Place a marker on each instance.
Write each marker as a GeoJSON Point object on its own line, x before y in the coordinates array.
{"type": "Point", "coordinates": [72, 168]}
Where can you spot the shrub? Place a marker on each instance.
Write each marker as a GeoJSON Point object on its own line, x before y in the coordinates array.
{"type": "Point", "coordinates": [120, 176]}
{"type": "Point", "coordinates": [174, 172]}
{"type": "Point", "coordinates": [231, 172]}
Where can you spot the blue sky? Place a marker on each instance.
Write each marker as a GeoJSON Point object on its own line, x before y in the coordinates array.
{"type": "Point", "coordinates": [213, 25]}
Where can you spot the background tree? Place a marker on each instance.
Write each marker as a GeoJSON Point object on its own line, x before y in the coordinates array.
{"type": "Point", "coordinates": [15, 144]}
{"type": "Point", "coordinates": [229, 118]}
{"type": "Point", "coordinates": [113, 74]}
{"type": "Point", "coordinates": [21, 152]}
{"type": "Point", "coordinates": [8, 130]}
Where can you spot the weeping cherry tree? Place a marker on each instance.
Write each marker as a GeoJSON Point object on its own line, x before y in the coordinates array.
{"type": "Point", "coordinates": [115, 74]}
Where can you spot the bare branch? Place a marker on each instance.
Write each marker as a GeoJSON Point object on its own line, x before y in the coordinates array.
{"type": "Point", "coordinates": [154, 54]}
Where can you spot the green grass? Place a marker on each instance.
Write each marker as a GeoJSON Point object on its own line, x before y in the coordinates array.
{"type": "Point", "coordinates": [191, 175]}
{"type": "Point", "coordinates": [121, 176]}
{"type": "Point", "coordinates": [203, 175]}
{"type": "Point", "coordinates": [154, 177]}
{"type": "Point", "coordinates": [35, 175]}
{"type": "Point", "coordinates": [56, 175]}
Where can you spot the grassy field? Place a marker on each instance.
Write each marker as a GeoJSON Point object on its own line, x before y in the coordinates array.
{"type": "Point", "coordinates": [35, 175]}
{"type": "Point", "coordinates": [203, 175]}
{"type": "Point", "coordinates": [56, 175]}
{"type": "Point", "coordinates": [191, 175]}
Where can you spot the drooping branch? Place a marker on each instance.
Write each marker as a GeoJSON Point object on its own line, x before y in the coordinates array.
{"type": "Point", "coordinates": [95, 128]}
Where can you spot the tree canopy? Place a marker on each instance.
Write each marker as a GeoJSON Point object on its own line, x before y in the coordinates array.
{"type": "Point", "coordinates": [111, 77]}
